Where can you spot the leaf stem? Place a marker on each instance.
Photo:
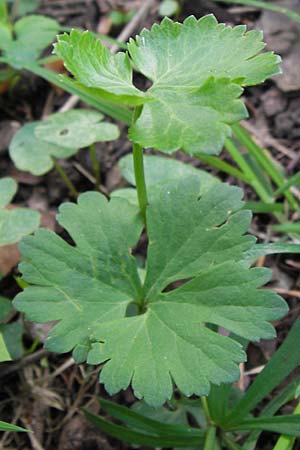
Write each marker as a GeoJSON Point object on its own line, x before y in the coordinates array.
{"type": "Point", "coordinates": [139, 173]}
{"type": "Point", "coordinates": [65, 178]}
{"type": "Point", "coordinates": [210, 438]}
{"type": "Point", "coordinates": [205, 408]}
{"type": "Point", "coordinates": [96, 165]}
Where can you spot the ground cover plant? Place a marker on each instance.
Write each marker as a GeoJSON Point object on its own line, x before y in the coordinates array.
{"type": "Point", "coordinates": [157, 329]}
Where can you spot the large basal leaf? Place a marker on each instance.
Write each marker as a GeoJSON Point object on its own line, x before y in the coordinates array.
{"type": "Point", "coordinates": [14, 223]}
{"type": "Point", "coordinates": [152, 335]}
{"type": "Point", "coordinates": [159, 169]}
{"type": "Point", "coordinates": [32, 34]}
{"type": "Point", "coordinates": [198, 70]}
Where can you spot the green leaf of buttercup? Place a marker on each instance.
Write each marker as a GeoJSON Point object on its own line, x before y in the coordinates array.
{"type": "Point", "coordinates": [14, 223]}
{"type": "Point", "coordinates": [153, 334]}
{"type": "Point", "coordinates": [94, 66]}
{"type": "Point", "coordinates": [32, 34]}
{"type": "Point", "coordinates": [198, 70]}
{"type": "Point", "coordinates": [61, 136]}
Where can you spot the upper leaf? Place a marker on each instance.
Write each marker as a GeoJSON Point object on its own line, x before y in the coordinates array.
{"type": "Point", "coordinates": [33, 33]}
{"type": "Point", "coordinates": [154, 334]}
{"type": "Point", "coordinates": [197, 69]}
{"type": "Point", "coordinates": [94, 66]}
{"type": "Point", "coordinates": [14, 223]}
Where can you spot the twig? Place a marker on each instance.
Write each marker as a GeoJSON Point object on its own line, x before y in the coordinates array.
{"type": "Point", "coordinates": [123, 36]}
{"type": "Point", "coordinates": [30, 359]}
{"type": "Point", "coordinates": [268, 140]}
{"type": "Point", "coordinates": [132, 25]}
{"type": "Point", "coordinates": [36, 445]}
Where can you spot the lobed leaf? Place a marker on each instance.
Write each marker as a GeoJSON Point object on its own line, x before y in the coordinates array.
{"type": "Point", "coordinates": [94, 66]}
{"type": "Point", "coordinates": [155, 334]}
{"type": "Point", "coordinates": [198, 70]}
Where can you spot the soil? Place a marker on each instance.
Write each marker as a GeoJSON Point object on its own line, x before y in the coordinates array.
{"type": "Point", "coordinates": [29, 394]}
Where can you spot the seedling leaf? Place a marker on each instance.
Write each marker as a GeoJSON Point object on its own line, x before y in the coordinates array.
{"type": "Point", "coordinates": [32, 154]}
{"type": "Point", "coordinates": [14, 223]}
{"type": "Point", "coordinates": [33, 33]}
{"type": "Point", "coordinates": [76, 129]}
{"type": "Point", "coordinates": [61, 136]}
{"type": "Point", "coordinates": [91, 287]}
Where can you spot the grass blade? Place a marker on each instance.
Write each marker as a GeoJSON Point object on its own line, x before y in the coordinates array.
{"type": "Point", "coordinates": [253, 180]}
{"type": "Point", "coordinates": [138, 438]}
{"type": "Point", "coordinates": [264, 5]}
{"type": "Point", "coordinates": [288, 424]}
{"type": "Point", "coordinates": [218, 163]}
{"type": "Point", "coordinates": [287, 442]}
{"type": "Point", "coordinates": [288, 227]}
{"type": "Point", "coordinates": [143, 423]}
{"type": "Point", "coordinates": [262, 207]}
{"type": "Point", "coordinates": [264, 160]}
{"type": "Point", "coordinates": [282, 363]}
{"type": "Point", "coordinates": [286, 395]}
{"type": "Point", "coordinates": [4, 426]}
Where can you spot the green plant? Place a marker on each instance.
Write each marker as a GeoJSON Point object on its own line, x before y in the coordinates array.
{"type": "Point", "coordinates": [158, 328]}
{"type": "Point", "coordinates": [227, 411]}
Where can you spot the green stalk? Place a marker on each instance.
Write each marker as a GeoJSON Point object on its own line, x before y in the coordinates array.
{"type": "Point", "coordinates": [248, 172]}
{"type": "Point", "coordinates": [65, 178]}
{"type": "Point", "coordinates": [139, 173]}
{"type": "Point", "coordinates": [204, 404]}
{"type": "Point", "coordinates": [210, 438]}
{"type": "Point", "coordinates": [264, 5]}
{"type": "Point", "coordinates": [96, 165]}
{"type": "Point", "coordinates": [218, 163]}
{"type": "Point", "coordinates": [230, 444]}
{"type": "Point", "coordinates": [287, 442]}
